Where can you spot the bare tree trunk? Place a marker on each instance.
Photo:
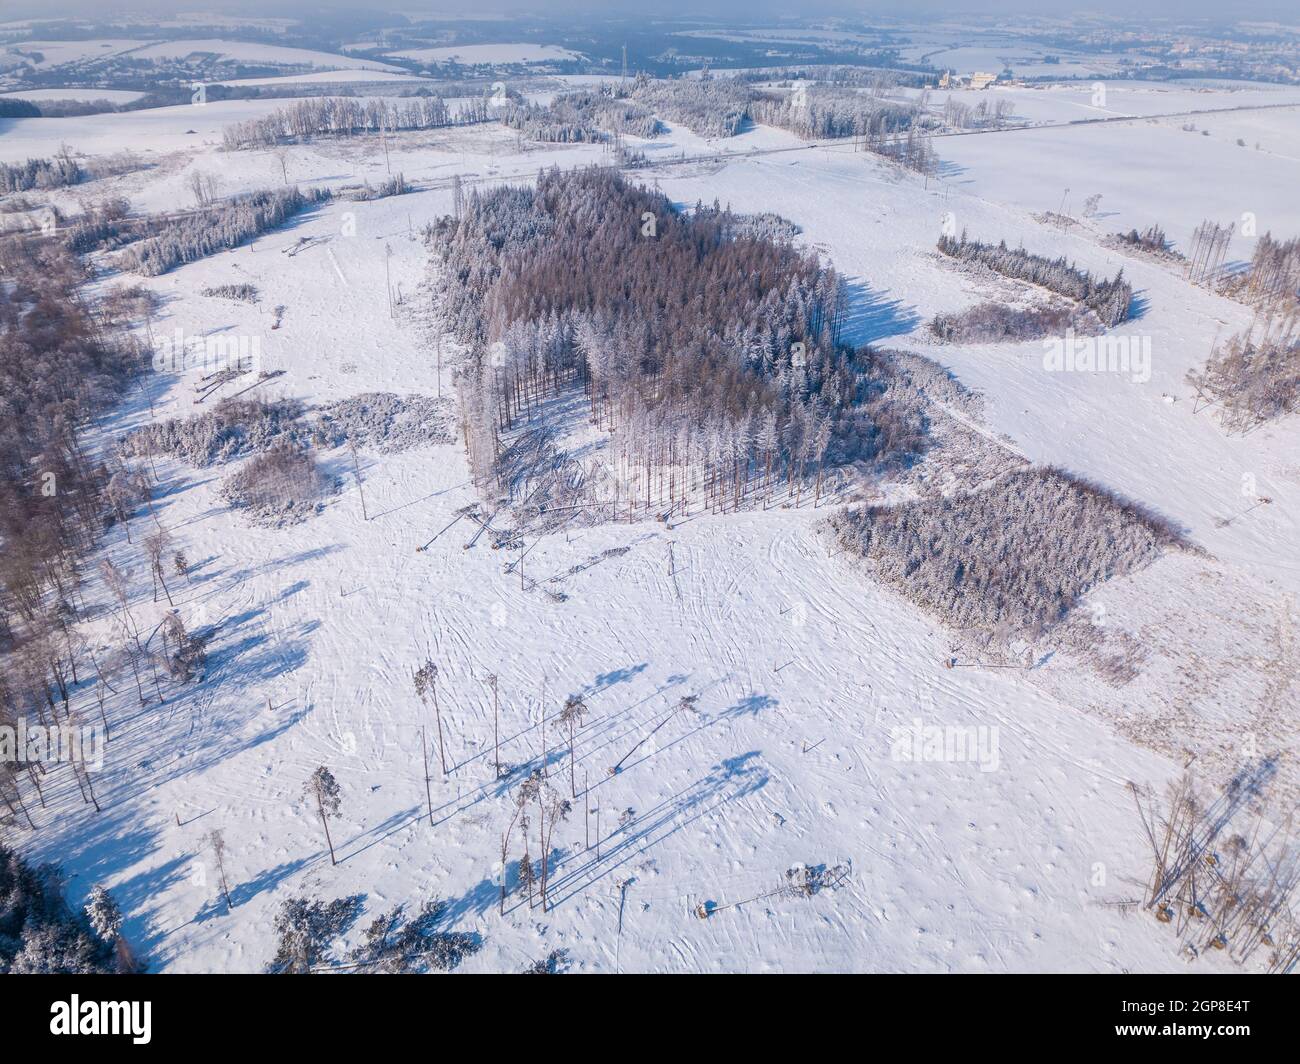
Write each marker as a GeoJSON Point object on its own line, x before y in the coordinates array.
{"type": "Point", "coordinates": [428, 794]}
{"type": "Point", "coordinates": [325, 824]}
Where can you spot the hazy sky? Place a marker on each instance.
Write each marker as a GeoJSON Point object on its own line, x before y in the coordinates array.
{"type": "Point", "coordinates": [1237, 9]}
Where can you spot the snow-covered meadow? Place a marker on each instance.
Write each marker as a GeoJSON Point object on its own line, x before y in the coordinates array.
{"type": "Point", "coordinates": [804, 668]}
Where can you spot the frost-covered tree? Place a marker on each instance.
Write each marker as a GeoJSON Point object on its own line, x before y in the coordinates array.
{"type": "Point", "coordinates": [40, 173]}
{"type": "Point", "coordinates": [1253, 377]}
{"type": "Point", "coordinates": [685, 344]}
{"type": "Point", "coordinates": [104, 915]}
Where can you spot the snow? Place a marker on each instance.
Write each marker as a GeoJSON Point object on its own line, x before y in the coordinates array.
{"type": "Point", "coordinates": [330, 77]}
{"type": "Point", "coordinates": [62, 53]}
{"type": "Point", "coordinates": [802, 665]}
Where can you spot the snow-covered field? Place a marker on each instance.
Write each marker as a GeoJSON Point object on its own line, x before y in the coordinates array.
{"type": "Point", "coordinates": [802, 665]}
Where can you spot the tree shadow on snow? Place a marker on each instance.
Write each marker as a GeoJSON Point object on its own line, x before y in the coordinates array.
{"type": "Point", "coordinates": [872, 316]}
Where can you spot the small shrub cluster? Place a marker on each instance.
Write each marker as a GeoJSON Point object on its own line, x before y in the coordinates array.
{"type": "Point", "coordinates": [284, 485]}
{"type": "Point", "coordinates": [1108, 299]}
{"type": "Point", "coordinates": [385, 422]}
{"type": "Point", "coordinates": [1012, 559]}
{"type": "Point", "coordinates": [232, 429]}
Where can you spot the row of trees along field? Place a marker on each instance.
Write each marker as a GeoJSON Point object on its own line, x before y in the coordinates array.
{"type": "Point", "coordinates": [40, 173]}
{"type": "Point", "coordinates": [343, 116]}
{"type": "Point", "coordinates": [715, 358]}
{"type": "Point", "coordinates": [1252, 377]}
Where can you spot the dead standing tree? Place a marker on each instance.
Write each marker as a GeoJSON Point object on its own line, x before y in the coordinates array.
{"type": "Point", "coordinates": [217, 842]}
{"type": "Point", "coordinates": [1222, 886]}
{"type": "Point", "coordinates": [323, 789]}
{"type": "Point", "coordinates": [426, 682]}
{"type": "Point", "coordinates": [155, 546]}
